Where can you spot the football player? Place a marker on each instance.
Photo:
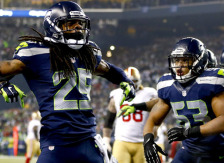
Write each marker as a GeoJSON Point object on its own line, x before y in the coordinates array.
{"type": "Point", "coordinates": [222, 60]}
{"type": "Point", "coordinates": [196, 96]}
{"type": "Point", "coordinates": [212, 60]}
{"type": "Point", "coordinates": [128, 144]}
{"type": "Point", "coordinates": [33, 136]}
{"type": "Point", "coordinates": [58, 68]}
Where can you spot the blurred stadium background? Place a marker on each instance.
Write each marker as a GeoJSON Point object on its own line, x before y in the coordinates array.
{"type": "Point", "coordinates": [138, 33]}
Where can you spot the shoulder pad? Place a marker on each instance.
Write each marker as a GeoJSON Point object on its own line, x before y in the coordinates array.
{"type": "Point", "coordinates": [96, 48]}
{"type": "Point", "coordinates": [20, 46]}
{"type": "Point", "coordinates": [26, 45]}
{"type": "Point", "coordinates": [215, 72]}
{"type": "Point", "coordinates": [165, 81]}
{"type": "Point", "coordinates": [93, 44]}
{"type": "Point", "coordinates": [166, 76]}
{"type": "Point", "coordinates": [221, 72]}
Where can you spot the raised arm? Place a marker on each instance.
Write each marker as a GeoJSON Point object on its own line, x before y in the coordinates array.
{"type": "Point", "coordinates": [117, 76]}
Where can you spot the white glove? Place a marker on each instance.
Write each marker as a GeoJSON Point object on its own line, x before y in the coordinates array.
{"type": "Point", "coordinates": [113, 159]}
{"type": "Point", "coordinates": [107, 142]}
{"type": "Point", "coordinates": [102, 146]}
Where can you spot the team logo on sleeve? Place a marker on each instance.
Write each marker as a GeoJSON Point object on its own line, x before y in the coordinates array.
{"type": "Point", "coordinates": [221, 72]}
{"type": "Point", "coordinates": [21, 45]}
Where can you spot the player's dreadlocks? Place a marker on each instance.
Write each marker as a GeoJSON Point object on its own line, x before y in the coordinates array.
{"type": "Point", "coordinates": [60, 55]}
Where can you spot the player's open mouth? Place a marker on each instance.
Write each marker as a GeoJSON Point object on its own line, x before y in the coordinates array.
{"type": "Point", "coordinates": [180, 72]}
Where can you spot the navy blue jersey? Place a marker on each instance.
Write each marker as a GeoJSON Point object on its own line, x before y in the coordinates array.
{"type": "Point", "coordinates": [192, 106]}
{"type": "Point", "coordinates": [67, 116]}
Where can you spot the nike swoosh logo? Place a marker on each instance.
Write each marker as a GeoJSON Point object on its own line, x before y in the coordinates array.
{"type": "Point", "coordinates": [10, 89]}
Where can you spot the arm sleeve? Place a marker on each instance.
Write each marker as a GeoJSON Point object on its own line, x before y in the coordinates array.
{"type": "Point", "coordinates": [109, 120]}
{"type": "Point", "coordinates": [116, 75]}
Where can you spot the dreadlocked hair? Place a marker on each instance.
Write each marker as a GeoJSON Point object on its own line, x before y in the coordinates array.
{"type": "Point", "coordinates": [61, 55]}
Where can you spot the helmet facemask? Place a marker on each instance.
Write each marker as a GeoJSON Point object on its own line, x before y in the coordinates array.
{"type": "Point", "coordinates": [75, 36]}
{"type": "Point", "coordinates": [177, 70]}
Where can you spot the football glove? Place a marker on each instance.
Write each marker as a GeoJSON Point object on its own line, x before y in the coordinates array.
{"type": "Point", "coordinates": [107, 142]}
{"type": "Point", "coordinates": [180, 133]}
{"type": "Point", "coordinates": [151, 149]}
{"type": "Point", "coordinates": [126, 110]}
{"type": "Point", "coordinates": [10, 93]}
{"type": "Point", "coordinates": [128, 92]}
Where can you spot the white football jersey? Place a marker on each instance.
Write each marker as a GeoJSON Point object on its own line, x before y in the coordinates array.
{"type": "Point", "coordinates": [130, 128]}
{"type": "Point", "coordinates": [161, 134]}
{"type": "Point", "coordinates": [31, 125]}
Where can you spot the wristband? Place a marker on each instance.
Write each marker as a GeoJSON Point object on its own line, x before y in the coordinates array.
{"type": "Point", "coordinates": [148, 137]}
{"type": "Point", "coordinates": [140, 106]}
{"type": "Point", "coordinates": [109, 119]}
{"type": "Point", "coordinates": [193, 132]}
{"type": "Point", "coordinates": [2, 84]}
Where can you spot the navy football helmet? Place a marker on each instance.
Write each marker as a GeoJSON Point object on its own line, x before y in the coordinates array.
{"type": "Point", "coordinates": [212, 61]}
{"type": "Point", "coordinates": [189, 47]}
{"type": "Point", "coordinates": [60, 14]}
{"type": "Point", "coordinates": [222, 60]}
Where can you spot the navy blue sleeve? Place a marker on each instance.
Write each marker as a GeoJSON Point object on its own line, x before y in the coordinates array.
{"type": "Point", "coordinates": [116, 75]}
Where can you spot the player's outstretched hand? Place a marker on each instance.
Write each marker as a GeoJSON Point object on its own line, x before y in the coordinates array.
{"type": "Point", "coordinates": [10, 93]}
{"type": "Point", "coordinates": [126, 110]}
{"type": "Point", "coordinates": [151, 149]}
{"type": "Point", "coordinates": [128, 92]}
{"type": "Point", "coordinates": [180, 133]}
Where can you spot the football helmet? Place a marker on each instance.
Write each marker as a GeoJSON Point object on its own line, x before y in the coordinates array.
{"type": "Point", "coordinates": [222, 60]}
{"type": "Point", "coordinates": [36, 115]}
{"type": "Point", "coordinates": [61, 14]}
{"type": "Point", "coordinates": [212, 61]}
{"type": "Point", "coordinates": [133, 74]}
{"type": "Point", "coordinates": [188, 47]}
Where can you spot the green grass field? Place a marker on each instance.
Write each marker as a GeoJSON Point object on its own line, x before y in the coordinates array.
{"type": "Point", "coordinates": [15, 159]}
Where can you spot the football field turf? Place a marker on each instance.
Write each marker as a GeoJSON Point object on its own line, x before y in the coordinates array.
{"type": "Point", "coordinates": [15, 159]}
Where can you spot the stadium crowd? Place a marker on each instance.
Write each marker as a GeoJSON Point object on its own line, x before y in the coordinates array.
{"type": "Point", "coordinates": [127, 4]}
{"type": "Point", "coordinates": [150, 59]}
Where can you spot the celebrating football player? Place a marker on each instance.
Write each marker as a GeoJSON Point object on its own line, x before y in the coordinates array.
{"type": "Point", "coordinates": [58, 68]}
{"type": "Point", "coordinates": [196, 96]}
